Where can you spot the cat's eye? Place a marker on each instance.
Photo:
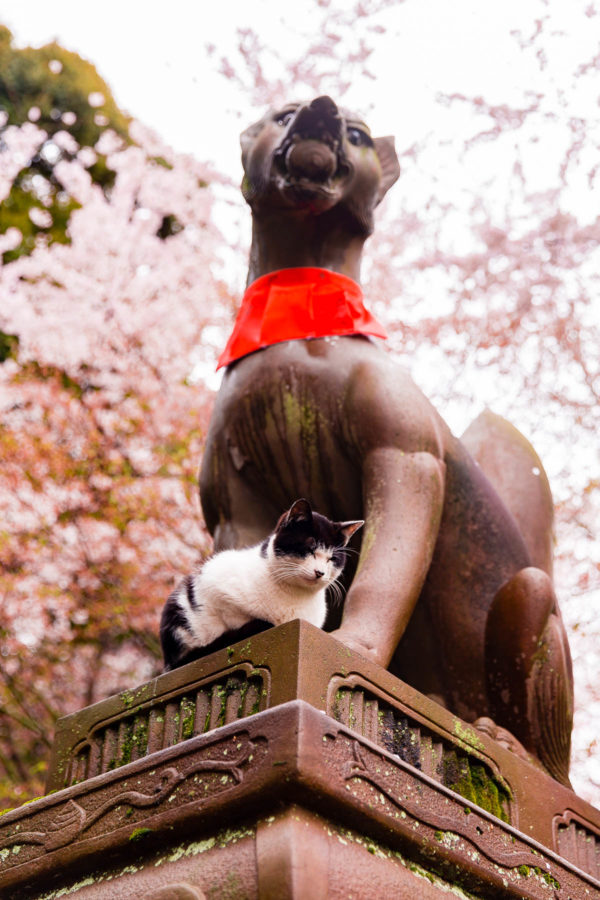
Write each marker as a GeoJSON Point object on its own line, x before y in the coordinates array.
{"type": "Point", "coordinates": [312, 545]}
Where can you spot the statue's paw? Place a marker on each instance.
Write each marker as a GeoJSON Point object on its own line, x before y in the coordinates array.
{"type": "Point", "coordinates": [358, 646]}
{"type": "Point", "coordinates": [502, 736]}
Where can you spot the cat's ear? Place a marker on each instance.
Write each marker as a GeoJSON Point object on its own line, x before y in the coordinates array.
{"type": "Point", "coordinates": [348, 528]}
{"type": "Point", "coordinates": [300, 511]}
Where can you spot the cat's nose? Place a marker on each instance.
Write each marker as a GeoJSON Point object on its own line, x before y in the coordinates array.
{"type": "Point", "coordinates": [318, 574]}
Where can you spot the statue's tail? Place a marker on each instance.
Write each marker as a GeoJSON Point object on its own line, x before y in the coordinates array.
{"type": "Point", "coordinates": [528, 665]}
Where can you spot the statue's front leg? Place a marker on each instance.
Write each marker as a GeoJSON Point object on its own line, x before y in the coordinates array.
{"type": "Point", "coordinates": [403, 499]}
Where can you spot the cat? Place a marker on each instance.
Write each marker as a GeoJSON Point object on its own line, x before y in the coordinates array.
{"type": "Point", "coordinates": [237, 593]}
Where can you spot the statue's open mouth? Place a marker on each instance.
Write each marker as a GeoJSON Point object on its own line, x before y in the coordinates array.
{"type": "Point", "coordinates": [310, 155]}
{"type": "Point", "coordinates": [309, 161]}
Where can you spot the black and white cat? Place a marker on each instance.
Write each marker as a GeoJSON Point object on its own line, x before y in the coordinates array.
{"type": "Point", "coordinates": [237, 593]}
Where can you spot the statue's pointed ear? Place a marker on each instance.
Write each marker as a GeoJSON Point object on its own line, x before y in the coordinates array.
{"type": "Point", "coordinates": [247, 137]}
{"type": "Point", "coordinates": [390, 167]}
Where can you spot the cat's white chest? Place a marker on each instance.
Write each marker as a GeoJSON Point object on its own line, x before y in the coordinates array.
{"type": "Point", "coordinates": [240, 585]}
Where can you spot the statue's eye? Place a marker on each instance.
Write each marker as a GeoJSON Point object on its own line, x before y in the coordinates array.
{"type": "Point", "coordinates": [358, 137]}
{"type": "Point", "coordinates": [284, 117]}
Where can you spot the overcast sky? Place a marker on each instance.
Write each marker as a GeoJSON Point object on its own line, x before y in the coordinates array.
{"type": "Point", "coordinates": [154, 57]}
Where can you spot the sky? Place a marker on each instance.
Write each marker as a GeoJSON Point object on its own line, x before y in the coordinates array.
{"type": "Point", "coordinates": [163, 61]}
{"type": "Point", "coordinates": [156, 58]}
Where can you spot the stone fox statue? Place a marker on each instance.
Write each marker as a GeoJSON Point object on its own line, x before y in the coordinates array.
{"type": "Point", "coordinates": [452, 589]}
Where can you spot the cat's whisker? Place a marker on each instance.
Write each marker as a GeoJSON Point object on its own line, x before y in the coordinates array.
{"type": "Point", "coordinates": [282, 579]}
{"type": "Point", "coordinates": [337, 593]}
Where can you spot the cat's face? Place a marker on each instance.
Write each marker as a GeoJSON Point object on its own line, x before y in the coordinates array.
{"type": "Point", "coordinates": [309, 548]}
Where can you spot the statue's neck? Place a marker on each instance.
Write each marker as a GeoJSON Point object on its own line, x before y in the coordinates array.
{"type": "Point", "coordinates": [290, 241]}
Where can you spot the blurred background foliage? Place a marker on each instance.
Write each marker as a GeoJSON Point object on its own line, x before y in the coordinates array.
{"type": "Point", "coordinates": [58, 91]}
{"type": "Point", "coordinates": [101, 427]}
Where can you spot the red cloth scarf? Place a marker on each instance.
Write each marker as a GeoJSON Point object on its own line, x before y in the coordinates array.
{"type": "Point", "coordinates": [292, 304]}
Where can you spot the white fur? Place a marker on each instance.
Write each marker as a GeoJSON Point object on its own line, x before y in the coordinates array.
{"type": "Point", "coordinates": [236, 586]}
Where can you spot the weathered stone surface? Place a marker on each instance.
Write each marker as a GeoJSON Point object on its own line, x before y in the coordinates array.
{"type": "Point", "coordinates": [181, 803]}
{"type": "Point", "coordinates": [279, 665]}
{"type": "Point", "coordinates": [342, 764]}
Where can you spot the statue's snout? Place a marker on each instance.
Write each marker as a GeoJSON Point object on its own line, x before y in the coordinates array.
{"type": "Point", "coordinates": [311, 145]}
{"type": "Point", "coordinates": [318, 120]}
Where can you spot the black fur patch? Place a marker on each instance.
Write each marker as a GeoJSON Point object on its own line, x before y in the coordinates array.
{"type": "Point", "coordinates": [339, 557]}
{"type": "Point", "coordinates": [191, 594]}
{"type": "Point", "coordinates": [300, 537]}
{"type": "Point", "coordinates": [172, 618]}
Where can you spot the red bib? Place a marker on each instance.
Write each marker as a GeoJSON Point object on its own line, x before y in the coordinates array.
{"type": "Point", "coordinates": [292, 304]}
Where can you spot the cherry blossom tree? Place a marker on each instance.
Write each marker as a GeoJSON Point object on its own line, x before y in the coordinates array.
{"type": "Point", "coordinates": [103, 412]}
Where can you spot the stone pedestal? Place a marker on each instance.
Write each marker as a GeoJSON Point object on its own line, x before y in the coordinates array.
{"type": "Point", "coordinates": [289, 767]}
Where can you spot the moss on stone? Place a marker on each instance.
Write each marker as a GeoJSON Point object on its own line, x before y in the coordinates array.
{"type": "Point", "coordinates": [127, 698]}
{"type": "Point", "coordinates": [188, 715]}
{"type": "Point", "coordinates": [139, 737]}
{"type": "Point", "coordinates": [473, 782]}
{"type": "Point", "coordinates": [127, 746]}
{"type": "Point", "coordinates": [302, 420]}
{"type": "Point", "coordinates": [381, 850]}
{"type": "Point", "coordinates": [138, 833]}
{"type": "Point", "coordinates": [467, 735]}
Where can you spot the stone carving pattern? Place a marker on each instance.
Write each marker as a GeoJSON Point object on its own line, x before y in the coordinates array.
{"type": "Point", "coordinates": [579, 843]}
{"type": "Point", "coordinates": [413, 798]}
{"type": "Point", "coordinates": [442, 760]}
{"type": "Point", "coordinates": [193, 710]}
{"type": "Point", "coordinates": [73, 820]}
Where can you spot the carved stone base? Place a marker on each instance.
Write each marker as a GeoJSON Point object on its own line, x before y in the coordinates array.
{"type": "Point", "coordinates": [351, 800]}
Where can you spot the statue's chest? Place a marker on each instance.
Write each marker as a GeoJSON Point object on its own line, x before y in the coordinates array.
{"type": "Point", "coordinates": [287, 415]}
{"type": "Point", "coordinates": [289, 427]}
